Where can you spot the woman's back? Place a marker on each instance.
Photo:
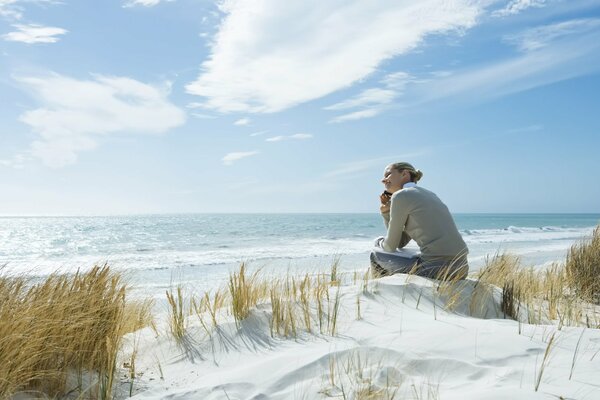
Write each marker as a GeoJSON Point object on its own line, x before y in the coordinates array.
{"type": "Point", "coordinates": [427, 220]}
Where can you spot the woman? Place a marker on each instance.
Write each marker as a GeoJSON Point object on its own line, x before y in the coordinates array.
{"type": "Point", "coordinates": [411, 212]}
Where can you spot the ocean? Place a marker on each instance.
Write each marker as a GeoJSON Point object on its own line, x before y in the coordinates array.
{"type": "Point", "coordinates": [155, 251]}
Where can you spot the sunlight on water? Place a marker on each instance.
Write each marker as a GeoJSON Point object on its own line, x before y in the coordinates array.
{"type": "Point", "coordinates": [157, 248]}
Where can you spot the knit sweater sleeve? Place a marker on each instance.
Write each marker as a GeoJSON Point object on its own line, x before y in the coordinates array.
{"type": "Point", "coordinates": [386, 218]}
{"type": "Point", "coordinates": [396, 236]}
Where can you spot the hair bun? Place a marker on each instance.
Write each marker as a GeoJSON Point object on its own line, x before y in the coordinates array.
{"type": "Point", "coordinates": [418, 175]}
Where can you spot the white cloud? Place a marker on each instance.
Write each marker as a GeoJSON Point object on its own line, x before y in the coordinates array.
{"type": "Point", "coordinates": [34, 34]}
{"type": "Point", "coordinates": [368, 113]}
{"type": "Point", "coordinates": [366, 98]}
{"type": "Point", "coordinates": [516, 6]}
{"type": "Point", "coordinates": [75, 113]}
{"type": "Point", "coordinates": [551, 53]}
{"type": "Point", "coordinates": [541, 36]}
{"type": "Point", "coordinates": [397, 80]}
{"type": "Point", "coordinates": [145, 3]}
{"type": "Point", "coordinates": [301, 136]}
{"type": "Point", "coordinates": [441, 74]}
{"type": "Point", "coordinates": [259, 133]}
{"type": "Point", "coordinates": [10, 9]}
{"type": "Point", "coordinates": [373, 101]}
{"type": "Point", "coordinates": [13, 9]}
{"type": "Point", "coordinates": [270, 55]}
{"type": "Point", "coordinates": [546, 66]}
{"type": "Point", "coordinates": [351, 169]}
{"type": "Point", "coordinates": [202, 116]}
{"type": "Point", "coordinates": [275, 139]}
{"type": "Point", "coordinates": [242, 122]}
{"type": "Point", "coordinates": [569, 57]}
{"type": "Point", "coordinates": [230, 158]}
{"type": "Point", "coordinates": [18, 161]}
{"type": "Point", "coordinates": [297, 136]}
{"type": "Point", "coordinates": [195, 105]}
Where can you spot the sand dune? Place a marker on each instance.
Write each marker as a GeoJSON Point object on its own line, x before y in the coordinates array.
{"type": "Point", "coordinates": [412, 341]}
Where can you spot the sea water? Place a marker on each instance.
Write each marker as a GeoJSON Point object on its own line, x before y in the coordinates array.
{"type": "Point", "coordinates": [155, 251]}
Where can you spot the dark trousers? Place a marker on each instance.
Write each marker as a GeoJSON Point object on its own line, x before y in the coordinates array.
{"type": "Point", "coordinates": [383, 263]}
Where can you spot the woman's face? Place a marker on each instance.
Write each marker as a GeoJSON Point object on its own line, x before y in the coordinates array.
{"type": "Point", "coordinates": [393, 180]}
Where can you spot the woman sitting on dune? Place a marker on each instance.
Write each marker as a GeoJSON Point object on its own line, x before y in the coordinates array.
{"type": "Point", "coordinates": [412, 212]}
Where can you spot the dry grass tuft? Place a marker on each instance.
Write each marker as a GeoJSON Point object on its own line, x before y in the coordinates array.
{"type": "Point", "coordinates": [297, 304]}
{"type": "Point", "coordinates": [139, 315]}
{"type": "Point", "coordinates": [177, 313]}
{"type": "Point", "coordinates": [65, 326]}
{"type": "Point", "coordinates": [533, 295]}
{"type": "Point", "coordinates": [245, 293]}
{"type": "Point", "coordinates": [510, 300]}
{"type": "Point", "coordinates": [583, 267]}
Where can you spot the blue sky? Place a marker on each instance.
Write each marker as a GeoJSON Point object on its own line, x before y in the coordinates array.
{"type": "Point", "coordinates": [150, 106]}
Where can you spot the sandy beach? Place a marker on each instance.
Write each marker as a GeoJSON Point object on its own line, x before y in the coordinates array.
{"type": "Point", "coordinates": [398, 337]}
{"type": "Point", "coordinates": [405, 345]}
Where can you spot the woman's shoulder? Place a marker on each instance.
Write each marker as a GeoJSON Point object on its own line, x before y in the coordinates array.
{"type": "Point", "coordinates": [407, 193]}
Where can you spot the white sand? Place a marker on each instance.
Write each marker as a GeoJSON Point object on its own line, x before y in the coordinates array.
{"type": "Point", "coordinates": [398, 349]}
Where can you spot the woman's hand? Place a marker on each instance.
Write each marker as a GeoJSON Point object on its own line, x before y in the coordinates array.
{"type": "Point", "coordinates": [385, 199]}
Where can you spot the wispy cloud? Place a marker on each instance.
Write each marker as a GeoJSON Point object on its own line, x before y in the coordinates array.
{"type": "Point", "coordinates": [34, 34]}
{"type": "Point", "coordinates": [441, 74]}
{"type": "Point", "coordinates": [202, 116]}
{"type": "Point", "coordinates": [258, 64]}
{"type": "Point", "coordinates": [517, 6]}
{"type": "Point", "coordinates": [14, 9]}
{"type": "Point", "coordinates": [397, 80]}
{"type": "Point", "coordinates": [350, 169]}
{"type": "Point", "coordinates": [353, 116]}
{"type": "Point", "coordinates": [242, 122]}
{"type": "Point", "coordinates": [565, 56]}
{"type": "Point", "coordinates": [541, 36]}
{"type": "Point", "coordinates": [297, 136]}
{"type": "Point", "coordinates": [301, 136]}
{"type": "Point", "coordinates": [10, 9]}
{"type": "Point", "coordinates": [368, 97]}
{"type": "Point", "coordinates": [18, 161]}
{"type": "Point", "coordinates": [373, 101]}
{"type": "Point", "coordinates": [199, 115]}
{"type": "Point", "coordinates": [144, 3]}
{"type": "Point", "coordinates": [275, 139]}
{"type": "Point", "coordinates": [259, 133]}
{"type": "Point", "coordinates": [524, 129]}
{"type": "Point", "coordinates": [230, 158]}
{"type": "Point", "coordinates": [74, 114]}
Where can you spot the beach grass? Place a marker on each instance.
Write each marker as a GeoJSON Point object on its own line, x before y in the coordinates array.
{"type": "Point", "coordinates": [245, 292]}
{"type": "Point", "coordinates": [545, 295]}
{"type": "Point", "coordinates": [63, 334]}
{"type": "Point", "coordinates": [177, 313]}
{"type": "Point", "coordinates": [583, 267]}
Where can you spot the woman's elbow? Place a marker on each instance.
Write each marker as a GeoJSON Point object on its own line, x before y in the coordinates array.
{"type": "Point", "coordinates": [386, 246]}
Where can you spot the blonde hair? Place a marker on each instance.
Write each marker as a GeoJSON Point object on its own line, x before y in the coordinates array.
{"type": "Point", "coordinates": [415, 174]}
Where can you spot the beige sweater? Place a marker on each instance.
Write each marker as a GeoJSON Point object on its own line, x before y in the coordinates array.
{"type": "Point", "coordinates": [419, 214]}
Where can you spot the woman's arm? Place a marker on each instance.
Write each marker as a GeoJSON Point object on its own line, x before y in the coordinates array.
{"type": "Point", "coordinates": [398, 215]}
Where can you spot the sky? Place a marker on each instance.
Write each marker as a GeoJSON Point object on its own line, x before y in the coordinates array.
{"type": "Point", "coordinates": [154, 106]}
